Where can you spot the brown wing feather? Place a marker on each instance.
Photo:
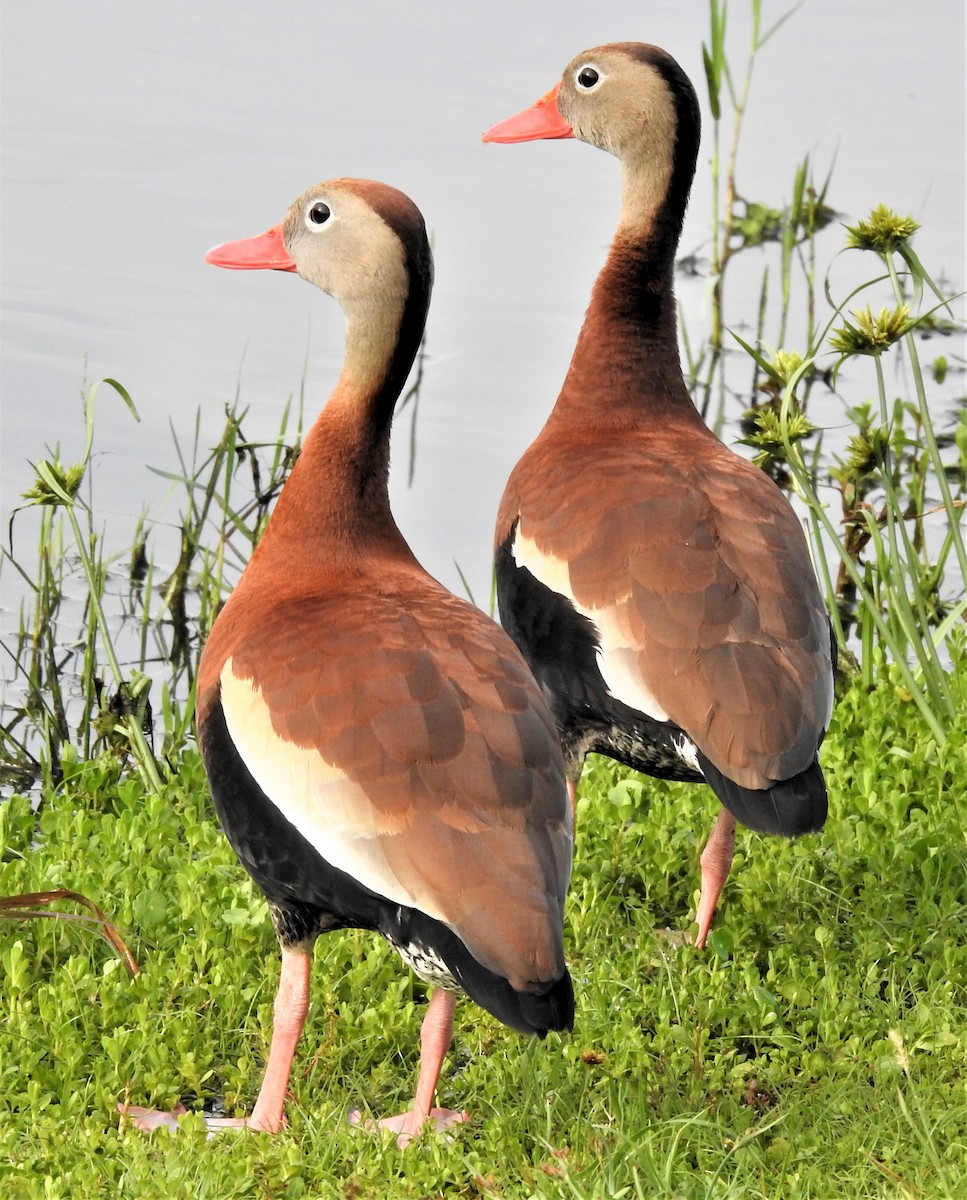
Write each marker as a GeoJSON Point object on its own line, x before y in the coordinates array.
{"type": "Point", "coordinates": [702, 568]}
{"type": "Point", "coordinates": [419, 710]}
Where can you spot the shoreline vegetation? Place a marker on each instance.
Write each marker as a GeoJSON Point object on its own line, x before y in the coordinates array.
{"type": "Point", "coordinates": [816, 1049]}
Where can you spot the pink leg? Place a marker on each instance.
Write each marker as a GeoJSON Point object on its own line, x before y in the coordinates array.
{"type": "Point", "coordinates": [291, 1006]}
{"type": "Point", "coordinates": [716, 861]}
{"type": "Point", "coordinates": [435, 1036]}
{"type": "Point", "coordinates": [572, 799]}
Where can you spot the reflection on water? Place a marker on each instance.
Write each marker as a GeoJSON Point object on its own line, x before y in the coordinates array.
{"type": "Point", "coordinates": [183, 125]}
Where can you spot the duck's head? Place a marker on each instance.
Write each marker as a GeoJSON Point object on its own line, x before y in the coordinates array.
{"type": "Point", "coordinates": [631, 99]}
{"type": "Point", "coordinates": [360, 241]}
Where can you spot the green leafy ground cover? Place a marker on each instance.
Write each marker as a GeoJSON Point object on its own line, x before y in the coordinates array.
{"type": "Point", "coordinates": [817, 1049]}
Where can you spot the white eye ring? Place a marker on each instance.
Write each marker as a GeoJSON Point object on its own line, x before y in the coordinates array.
{"type": "Point", "coordinates": [588, 77]}
{"type": "Point", "coordinates": [317, 214]}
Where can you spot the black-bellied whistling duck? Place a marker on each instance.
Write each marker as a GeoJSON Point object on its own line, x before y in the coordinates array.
{"type": "Point", "coordinates": [379, 754]}
{"type": "Point", "coordinates": [658, 584]}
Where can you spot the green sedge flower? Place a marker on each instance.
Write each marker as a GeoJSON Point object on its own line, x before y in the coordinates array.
{"type": "Point", "coordinates": [784, 365]}
{"type": "Point", "coordinates": [865, 452]}
{"type": "Point", "coordinates": [872, 335]}
{"type": "Point", "coordinates": [883, 231]}
{"type": "Point", "coordinates": [53, 478]}
{"type": "Point", "coordinates": [769, 435]}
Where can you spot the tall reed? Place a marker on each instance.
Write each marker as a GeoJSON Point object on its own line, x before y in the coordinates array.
{"type": "Point", "coordinates": [139, 634]}
{"type": "Point", "coordinates": [893, 567]}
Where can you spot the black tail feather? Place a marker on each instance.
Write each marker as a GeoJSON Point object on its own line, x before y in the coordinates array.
{"type": "Point", "coordinates": [527, 1012]}
{"type": "Point", "coordinates": [545, 1006]}
{"type": "Point", "coordinates": [790, 807]}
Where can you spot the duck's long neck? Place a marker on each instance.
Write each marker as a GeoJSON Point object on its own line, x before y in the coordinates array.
{"type": "Point", "coordinates": [336, 501]}
{"type": "Point", "coordinates": [626, 363]}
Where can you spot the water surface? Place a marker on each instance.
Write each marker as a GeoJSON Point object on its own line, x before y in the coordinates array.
{"type": "Point", "coordinates": [136, 136]}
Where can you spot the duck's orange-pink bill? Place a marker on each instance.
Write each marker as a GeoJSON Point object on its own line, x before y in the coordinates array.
{"type": "Point", "coordinates": [541, 120]}
{"type": "Point", "coordinates": [263, 253]}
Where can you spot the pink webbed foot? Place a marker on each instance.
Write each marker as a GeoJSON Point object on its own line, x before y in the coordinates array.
{"type": "Point", "coordinates": [291, 1006]}
{"type": "Point", "coordinates": [150, 1119]}
{"type": "Point", "coordinates": [410, 1124]}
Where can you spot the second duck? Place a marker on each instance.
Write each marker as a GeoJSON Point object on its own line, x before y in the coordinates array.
{"type": "Point", "coordinates": [658, 584]}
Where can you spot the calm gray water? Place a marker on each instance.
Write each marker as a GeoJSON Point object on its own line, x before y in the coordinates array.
{"type": "Point", "coordinates": [136, 136]}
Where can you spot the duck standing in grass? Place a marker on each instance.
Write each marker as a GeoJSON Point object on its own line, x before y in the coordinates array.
{"type": "Point", "coordinates": [379, 754]}
{"type": "Point", "coordinates": [658, 584]}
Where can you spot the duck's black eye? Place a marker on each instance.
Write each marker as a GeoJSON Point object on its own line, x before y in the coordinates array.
{"type": "Point", "coordinates": [318, 213]}
{"type": "Point", "coordinates": [587, 77]}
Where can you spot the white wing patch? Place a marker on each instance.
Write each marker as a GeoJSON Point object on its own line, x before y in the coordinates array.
{"type": "Point", "coordinates": [685, 749]}
{"type": "Point", "coordinates": [552, 572]}
{"type": "Point", "coordinates": [616, 651]}
{"type": "Point", "coordinates": [330, 811]}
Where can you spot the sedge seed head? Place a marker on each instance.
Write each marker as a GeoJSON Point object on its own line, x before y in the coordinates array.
{"type": "Point", "coordinates": [68, 479]}
{"type": "Point", "coordinates": [872, 334]}
{"type": "Point", "coordinates": [883, 231]}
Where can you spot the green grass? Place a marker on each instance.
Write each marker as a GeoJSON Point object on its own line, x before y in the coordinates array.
{"type": "Point", "coordinates": [816, 1049]}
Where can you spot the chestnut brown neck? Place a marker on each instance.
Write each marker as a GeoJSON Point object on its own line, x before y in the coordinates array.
{"type": "Point", "coordinates": [626, 365]}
